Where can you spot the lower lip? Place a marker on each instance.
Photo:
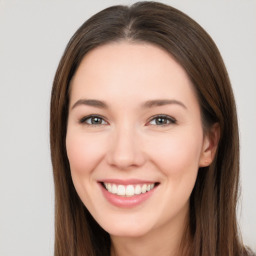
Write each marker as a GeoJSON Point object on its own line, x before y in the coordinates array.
{"type": "Point", "coordinates": [126, 202]}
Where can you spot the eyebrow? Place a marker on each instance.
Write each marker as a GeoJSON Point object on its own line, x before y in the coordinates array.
{"type": "Point", "coordinates": [147, 104]}
{"type": "Point", "coordinates": [90, 102]}
{"type": "Point", "coordinates": [162, 102]}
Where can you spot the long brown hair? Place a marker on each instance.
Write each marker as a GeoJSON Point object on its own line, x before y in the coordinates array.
{"type": "Point", "coordinates": [213, 224]}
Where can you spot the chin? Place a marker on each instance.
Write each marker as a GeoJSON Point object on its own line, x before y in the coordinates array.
{"type": "Point", "coordinates": [131, 233]}
{"type": "Point", "coordinates": [126, 228]}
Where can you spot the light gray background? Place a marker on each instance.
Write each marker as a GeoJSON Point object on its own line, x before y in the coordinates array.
{"type": "Point", "coordinates": [33, 35]}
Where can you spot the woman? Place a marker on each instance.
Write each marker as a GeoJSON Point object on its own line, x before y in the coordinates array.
{"type": "Point", "coordinates": [144, 138]}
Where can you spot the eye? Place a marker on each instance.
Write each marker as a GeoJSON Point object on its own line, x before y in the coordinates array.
{"type": "Point", "coordinates": [162, 120]}
{"type": "Point", "coordinates": [93, 120]}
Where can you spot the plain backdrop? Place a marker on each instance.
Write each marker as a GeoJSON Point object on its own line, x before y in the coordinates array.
{"type": "Point", "coordinates": [33, 35]}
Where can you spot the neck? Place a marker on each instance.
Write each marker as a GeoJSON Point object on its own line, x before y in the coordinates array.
{"type": "Point", "coordinates": [168, 240]}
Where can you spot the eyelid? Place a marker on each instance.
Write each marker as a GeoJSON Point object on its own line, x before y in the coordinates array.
{"type": "Point", "coordinates": [171, 119]}
{"type": "Point", "coordinates": [85, 118]}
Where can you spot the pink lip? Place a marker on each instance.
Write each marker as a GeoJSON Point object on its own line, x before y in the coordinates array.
{"type": "Point", "coordinates": [126, 202]}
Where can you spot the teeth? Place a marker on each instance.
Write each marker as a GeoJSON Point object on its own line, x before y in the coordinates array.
{"type": "Point", "coordinates": [129, 190]}
{"type": "Point", "coordinates": [137, 190]}
{"type": "Point", "coordinates": [144, 188]}
{"type": "Point", "coordinates": [108, 187]}
{"type": "Point", "coordinates": [113, 189]}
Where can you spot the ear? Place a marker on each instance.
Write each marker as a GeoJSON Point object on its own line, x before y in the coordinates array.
{"type": "Point", "coordinates": [210, 145]}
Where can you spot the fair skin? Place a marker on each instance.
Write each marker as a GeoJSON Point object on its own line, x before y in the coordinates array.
{"type": "Point", "coordinates": [145, 133]}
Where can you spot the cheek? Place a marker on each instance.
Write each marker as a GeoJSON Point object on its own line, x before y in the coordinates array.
{"type": "Point", "coordinates": [178, 153]}
{"type": "Point", "coordinates": [84, 152]}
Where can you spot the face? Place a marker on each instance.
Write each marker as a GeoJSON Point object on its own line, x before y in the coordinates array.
{"type": "Point", "coordinates": [134, 138]}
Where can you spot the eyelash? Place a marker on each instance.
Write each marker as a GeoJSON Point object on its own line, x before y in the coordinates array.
{"type": "Point", "coordinates": [90, 117]}
{"type": "Point", "coordinates": [168, 119]}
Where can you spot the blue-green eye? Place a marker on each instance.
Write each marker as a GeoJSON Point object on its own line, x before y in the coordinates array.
{"type": "Point", "coordinates": [162, 120]}
{"type": "Point", "coordinates": [93, 120]}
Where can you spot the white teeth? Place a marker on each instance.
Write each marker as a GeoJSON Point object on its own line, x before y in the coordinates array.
{"type": "Point", "coordinates": [129, 190]}
{"type": "Point", "coordinates": [113, 189]}
{"type": "Point", "coordinates": [108, 186]}
{"type": "Point", "coordinates": [144, 188]}
{"type": "Point", "coordinates": [137, 190]}
{"type": "Point", "coordinates": [121, 190]}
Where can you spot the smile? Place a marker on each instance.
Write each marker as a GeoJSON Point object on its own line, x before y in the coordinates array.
{"type": "Point", "coordinates": [127, 193]}
{"type": "Point", "coordinates": [128, 190]}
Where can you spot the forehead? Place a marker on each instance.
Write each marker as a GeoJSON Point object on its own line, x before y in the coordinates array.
{"type": "Point", "coordinates": [127, 70]}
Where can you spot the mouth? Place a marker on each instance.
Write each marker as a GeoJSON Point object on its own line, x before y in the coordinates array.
{"type": "Point", "coordinates": [128, 190]}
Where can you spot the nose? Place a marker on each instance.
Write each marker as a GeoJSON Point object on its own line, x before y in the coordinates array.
{"type": "Point", "coordinates": [125, 149]}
